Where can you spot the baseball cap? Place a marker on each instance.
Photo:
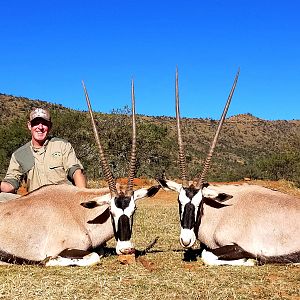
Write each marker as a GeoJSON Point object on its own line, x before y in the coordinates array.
{"type": "Point", "coordinates": [40, 113]}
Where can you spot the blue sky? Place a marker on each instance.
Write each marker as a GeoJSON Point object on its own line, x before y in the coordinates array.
{"type": "Point", "coordinates": [48, 47]}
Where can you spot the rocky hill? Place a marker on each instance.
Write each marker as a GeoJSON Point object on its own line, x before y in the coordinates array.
{"type": "Point", "coordinates": [248, 146]}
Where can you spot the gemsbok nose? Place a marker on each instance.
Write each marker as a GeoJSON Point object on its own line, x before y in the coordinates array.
{"type": "Point", "coordinates": [122, 203]}
{"type": "Point", "coordinates": [187, 238]}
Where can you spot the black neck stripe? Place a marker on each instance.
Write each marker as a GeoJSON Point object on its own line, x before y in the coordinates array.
{"type": "Point", "coordinates": [12, 259]}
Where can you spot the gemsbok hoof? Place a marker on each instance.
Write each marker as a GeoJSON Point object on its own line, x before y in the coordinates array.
{"type": "Point", "coordinates": [87, 260]}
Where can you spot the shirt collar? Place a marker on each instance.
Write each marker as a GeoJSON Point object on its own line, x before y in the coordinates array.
{"type": "Point", "coordinates": [41, 149]}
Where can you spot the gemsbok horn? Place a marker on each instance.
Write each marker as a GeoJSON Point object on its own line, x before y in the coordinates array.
{"type": "Point", "coordinates": [52, 225]}
{"type": "Point", "coordinates": [237, 224]}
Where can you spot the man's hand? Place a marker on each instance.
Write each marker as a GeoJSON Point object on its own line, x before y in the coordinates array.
{"type": "Point", "coordinates": [6, 187]}
{"type": "Point", "coordinates": [79, 178]}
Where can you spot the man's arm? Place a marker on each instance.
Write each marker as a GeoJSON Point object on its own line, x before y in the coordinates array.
{"type": "Point", "coordinates": [11, 182]}
{"type": "Point", "coordinates": [79, 178]}
{"type": "Point", "coordinates": [73, 166]}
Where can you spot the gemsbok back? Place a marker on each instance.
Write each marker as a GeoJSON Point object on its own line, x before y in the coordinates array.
{"type": "Point", "coordinates": [55, 224]}
{"type": "Point", "coordinates": [236, 224]}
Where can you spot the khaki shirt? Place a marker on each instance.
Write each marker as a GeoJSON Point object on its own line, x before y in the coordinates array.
{"type": "Point", "coordinates": [54, 163]}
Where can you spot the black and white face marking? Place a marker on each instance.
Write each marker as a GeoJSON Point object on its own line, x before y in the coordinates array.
{"type": "Point", "coordinates": [122, 209]}
{"type": "Point", "coordinates": [189, 200]}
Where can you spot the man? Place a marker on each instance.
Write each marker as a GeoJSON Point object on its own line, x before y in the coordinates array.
{"type": "Point", "coordinates": [43, 160]}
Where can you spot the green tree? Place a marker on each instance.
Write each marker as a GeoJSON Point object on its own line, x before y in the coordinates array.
{"type": "Point", "coordinates": [12, 136]}
{"type": "Point", "coordinates": [285, 165]}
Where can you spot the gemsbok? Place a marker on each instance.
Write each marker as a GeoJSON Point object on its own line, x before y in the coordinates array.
{"type": "Point", "coordinates": [54, 225]}
{"type": "Point", "coordinates": [235, 224]}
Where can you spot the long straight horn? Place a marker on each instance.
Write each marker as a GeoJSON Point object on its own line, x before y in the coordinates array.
{"type": "Point", "coordinates": [214, 142]}
{"type": "Point", "coordinates": [182, 161]}
{"type": "Point", "coordinates": [132, 164]}
{"type": "Point", "coordinates": [106, 170]}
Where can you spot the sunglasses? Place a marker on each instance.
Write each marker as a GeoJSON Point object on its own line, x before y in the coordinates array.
{"type": "Point", "coordinates": [38, 121]}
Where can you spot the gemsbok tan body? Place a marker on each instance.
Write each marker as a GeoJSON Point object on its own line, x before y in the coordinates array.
{"type": "Point", "coordinates": [236, 224]}
{"type": "Point", "coordinates": [58, 224]}
{"type": "Point", "coordinates": [49, 220]}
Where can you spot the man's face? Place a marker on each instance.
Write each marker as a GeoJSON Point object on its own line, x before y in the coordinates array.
{"type": "Point", "coordinates": [39, 129]}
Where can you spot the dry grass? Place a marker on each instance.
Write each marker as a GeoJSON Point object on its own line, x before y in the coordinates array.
{"type": "Point", "coordinates": [281, 185]}
{"type": "Point", "coordinates": [160, 274]}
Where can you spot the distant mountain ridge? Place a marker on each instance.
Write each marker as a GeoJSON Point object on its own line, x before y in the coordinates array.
{"type": "Point", "coordinates": [245, 140]}
{"type": "Point", "coordinates": [12, 106]}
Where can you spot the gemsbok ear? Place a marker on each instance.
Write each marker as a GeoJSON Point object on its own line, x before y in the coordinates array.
{"type": "Point", "coordinates": [142, 193]}
{"type": "Point", "coordinates": [222, 197]}
{"type": "Point", "coordinates": [168, 184]}
{"type": "Point", "coordinates": [102, 218]}
{"type": "Point", "coordinates": [89, 204]}
{"type": "Point", "coordinates": [153, 190]}
{"type": "Point", "coordinates": [214, 198]}
{"type": "Point", "coordinates": [210, 193]}
{"type": "Point", "coordinates": [205, 184]}
{"type": "Point", "coordinates": [97, 201]}
{"type": "Point", "coordinates": [213, 202]}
